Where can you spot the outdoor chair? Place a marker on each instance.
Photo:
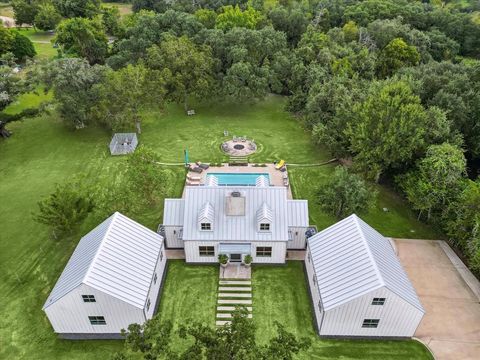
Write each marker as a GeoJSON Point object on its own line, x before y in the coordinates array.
{"type": "Point", "coordinates": [201, 165]}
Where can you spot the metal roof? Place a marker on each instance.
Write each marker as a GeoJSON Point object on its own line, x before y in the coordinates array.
{"type": "Point", "coordinates": [118, 257]}
{"type": "Point", "coordinates": [351, 258]}
{"type": "Point", "coordinates": [173, 212]}
{"type": "Point", "coordinates": [234, 248]}
{"type": "Point", "coordinates": [264, 214]}
{"type": "Point", "coordinates": [297, 212]}
{"type": "Point", "coordinates": [233, 228]}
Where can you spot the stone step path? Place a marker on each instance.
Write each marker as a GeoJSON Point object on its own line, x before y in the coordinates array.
{"type": "Point", "coordinates": [233, 291]}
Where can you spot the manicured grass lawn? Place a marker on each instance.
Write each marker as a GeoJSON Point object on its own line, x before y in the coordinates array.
{"type": "Point", "coordinates": [28, 100]}
{"type": "Point", "coordinates": [280, 294]}
{"type": "Point", "coordinates": [6, 10]}
{"type": "Point", "coordinates": [41, 41]}
{"type": "Point", "coordinates": [124, 8]}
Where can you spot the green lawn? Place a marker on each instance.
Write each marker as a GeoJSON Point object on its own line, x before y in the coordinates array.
{"type": "Point", "coordinates": [6, 10]}
{"type": "Point", "coordinates": [280, 294]}
{"type": "Point", "coordinates": [124, 8]}
{"type": "Point", "coordinates": [43, 151]}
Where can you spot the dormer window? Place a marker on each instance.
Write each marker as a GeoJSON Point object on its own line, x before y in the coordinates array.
{"type": "Point", "coordinates": [205, 226]}
{"type": "Point", "coordinates": [264, 227]}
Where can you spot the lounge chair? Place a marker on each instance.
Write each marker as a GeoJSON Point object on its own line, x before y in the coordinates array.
{"type": "Point", "coordinates": [194, 178]}
{"type": "Point", "coordinates": [195, 169]}
{"type": "Point", "coordinates": [193, 182]}
{"type": "Point", "coordinates": [201, 165]}
{"type": "Point", "coordinates": [280, 165]}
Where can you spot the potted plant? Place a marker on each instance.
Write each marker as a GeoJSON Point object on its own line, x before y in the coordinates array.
{"type": "Point", "coordinates": [223, 260]}
{"type": "Point", "coordinates": [247, 260]}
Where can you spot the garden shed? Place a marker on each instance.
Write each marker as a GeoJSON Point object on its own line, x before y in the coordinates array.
{"type": "Point", "coordinates": [123, 143]}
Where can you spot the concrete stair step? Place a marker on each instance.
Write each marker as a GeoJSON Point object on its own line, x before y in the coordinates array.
{"type": "Point", "coordinates": [229, 316]}
{"type": "Point", "coordinates": [235, 288]}
{"type": "Point", "coordinates": [231, 301]}
{"type": "Point", "coordinates": [231, 308]}
{"type": "Point", "coordinates": [222, 322]}
{"type": "Point", "coordinates": [234, 295]}
{"type": "Point", "coordinates": [235, 282]}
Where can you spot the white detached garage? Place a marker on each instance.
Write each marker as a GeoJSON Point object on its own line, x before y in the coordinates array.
{"type": "Point", "coordinates": [112, 280]}
{"type": "Point", "coordinates": [358, 285]}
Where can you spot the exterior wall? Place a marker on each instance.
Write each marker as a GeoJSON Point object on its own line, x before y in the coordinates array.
{"type": "Point", "coordinates": [171, 236]}
{"type": "Point", "coordinates": [315, 294]}
{"type": "Point", "coordinates": [279, 251]}
{"type": "Point", "coordinates": [70, 314]}
{"type": "Point", "coordinates": [155, 287]}
{"type": "Point", "coordinates": [397, 317]}
{"type": "Point", "coordinates": [299, 240]}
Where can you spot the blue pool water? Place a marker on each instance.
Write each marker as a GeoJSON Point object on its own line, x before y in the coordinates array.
{"type": "Point", "coordinates": [247, 179]}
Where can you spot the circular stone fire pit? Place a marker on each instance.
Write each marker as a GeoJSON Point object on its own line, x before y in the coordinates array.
{"type": "Point", "coordinates": [239, 147]}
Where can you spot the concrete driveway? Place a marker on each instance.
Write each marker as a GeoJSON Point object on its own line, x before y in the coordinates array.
{"type": "Point", "coordinates": [451, 325]}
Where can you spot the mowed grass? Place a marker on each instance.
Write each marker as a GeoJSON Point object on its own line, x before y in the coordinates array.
{"type": "Point", "coordinates": [280, 294]}
{"type": "Point", "coordinates": [124, 8]}
{"type": "Point", "coordinates": [43, 151]}
{"type": "Point", "coordinates": [6, 10]}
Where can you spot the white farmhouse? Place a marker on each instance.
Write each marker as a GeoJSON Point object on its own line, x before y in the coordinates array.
{"type": "Point", "coordinates": [235, 220]}
{"type": "Point", "coordinates": [112, 280]}
{"type": "Point", "coordinates": [357, 284]}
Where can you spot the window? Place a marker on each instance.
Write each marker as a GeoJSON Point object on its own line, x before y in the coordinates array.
{"type": "Point", "coordinates": [155, 278]}
{"type": "Point", "coordinates": [378, 301]}
{"type": "Point", "coordinates": [148, 304]}
{"type": "Point", "coordinates": [264, 251]}
{"type": "Point", "coordinates": [161, 256]}
{"type": "Point", "coordinates": [370, 323]}
{"type": "Point", "coordinates": [205, 226]}
{"type": "Point", "coordinates": [320, 307]}
{"type": "Point", "coordinates": [97, 320]}
{"type": "Point", "coordinates": [88, 298]}
{"type": "Point", "coordinates": [309, 257]}
{"type": "Point", "coordinates": [264, 227]}
{"type": "Point", "coordinates": [314, 279]}
{"type": "Point", "coordinates": [206, 250]}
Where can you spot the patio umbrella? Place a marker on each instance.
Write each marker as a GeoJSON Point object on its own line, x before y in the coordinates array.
{"type": "Point", "coordinates": [185, 153]}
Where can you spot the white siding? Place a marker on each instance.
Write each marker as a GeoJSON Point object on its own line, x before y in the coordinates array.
{"type": "Point", "coordinates": [278, 251]}
{"type": "Point", "coordinates": [313, 289]}
{"type": "Point", "coordinates": [70, 314]}
{"type": "Point", "coordinates": [298, 237]}
{"type": "Point", "coordinates": [155, 286]}
{"type": "Point", "coordinates": [171, 236]}
{"type": "Point", "coordinates": [397, 317]}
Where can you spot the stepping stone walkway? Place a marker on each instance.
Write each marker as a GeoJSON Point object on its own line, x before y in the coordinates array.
{"type": "Point", "coordinates": [232, 292]}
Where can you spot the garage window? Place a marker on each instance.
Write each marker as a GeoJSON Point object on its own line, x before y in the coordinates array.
{"type": "Point", "coordinates": [378, 301]}
{"type": "Point", "coordinates": [88, 298]}
{"type": "Point", "coordinates": [370, 323]}
{"type": "Point", "coordinates": [97, 320]}
{"type": "Point", "coordinates": [264, 251]}
{"type": "Point", "coordinates": [206, 251]}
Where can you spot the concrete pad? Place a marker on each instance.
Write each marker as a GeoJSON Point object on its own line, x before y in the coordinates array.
{"type": "Point", "coordinates": [229, 316]}
{"type": "Point", "coordinates": [235, 271]}
{"type": "Point", "coordinates": [235, 288]}
{"type": "Point", "coordinates": [231, 301]}
{"type": "Point", "coordinates": [231, 308]}
{"type": "Point", "coordinates": [222, 322]}
{"type": "Point", "coordinates": [235, 282]}
{"type": "Point", "coordinates": [234, 295]}
{"type": "Point", "coordinates": [451, 325]}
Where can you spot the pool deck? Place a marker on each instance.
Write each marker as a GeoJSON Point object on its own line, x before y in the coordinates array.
{"type": "Point", "coordinates": [276, 176]}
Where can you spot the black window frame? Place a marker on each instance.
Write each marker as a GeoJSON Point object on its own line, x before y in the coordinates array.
{"type": "Point", "coordinates": [263, 251]}
{"type": "Point", "coordinates": [370, 323]}
{"type": "Point", "coordinates": [148, 304]}
{"type": "Point", "coordinates": [206, 226]}
{"type": "Point", "coordinates": [378, 301]}
{"type": "Point", "coordinates": [97, 320]}
{"type": "Point", "coordinates": [155, 278]}
{"type": "Point", "coordinates": [264, 227]}
{"type": "Point", "coordinates": [206, 251]}
{"type": "Point", "coordinates": [89, 298]}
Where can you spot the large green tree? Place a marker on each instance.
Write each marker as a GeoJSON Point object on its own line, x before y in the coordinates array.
{"type": "Point", "coordinates": [77, 8]}
{"type": "Point", "coordinates": [24, 11]}
{"type": "Point", "coordinates": [186, 68]}
{"type": "Point", "coordinates": [232, 16]}
{"type": "Point", "coordinates": [389, 128]}
{"type": "Point", "coordinates": [345, 194]}
{"type": "Point", "coordinates": [397, 54]}
{"type": "Point", "coordinates": [11, 85]}
{"type": "Point", "coordinates": [47, 17]}
{"type": "Point", "coordinates": [83, 37]}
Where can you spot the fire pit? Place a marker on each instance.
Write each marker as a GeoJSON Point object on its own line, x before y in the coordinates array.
{"type": "Point", "coordinates": [239, 147]}
{"type": "Point", "coordinates": [242, 147]}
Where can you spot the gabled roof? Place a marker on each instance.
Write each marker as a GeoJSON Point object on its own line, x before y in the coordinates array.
{"type": "Point", "coordinates": [118, 257]}
{"type": "Point", "coordinates": [351, 258]}
{"type": "Point", "coordinates": [206, 213]}
{"type": "Point", "coordinates": [297, 213]}
{"type": "Point", "coordinates": [235, 228]}
{"type": "Point", "coordinates": [264, 214]}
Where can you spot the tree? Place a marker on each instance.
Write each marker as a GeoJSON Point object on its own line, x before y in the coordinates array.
{"type": "Point", "coordinates": [232, 17]}
{"type": "Point", "coordinates": [389, 128]}
{"type": "Point", "coordinates": [25, 11]}
{"type": "Point", "coordinates": [207, 17]}
{"type": "Point", "coordinates": [350, 31]}
{"type": "Point", "coordinates": [291, 21]}
{"type": "Point", "coordinates": [83, 37]}
{"type": "Point", "coordinates": [11, 85]}
{"type": "Point", "coordinates": [65, 208]}
{"type": "Point", "coordinates": [345, 193]}
{"type": "Point", "coordinates": [77, 8]}
{"type": "Point", "coordinates": [22, 47]}
{"type": "Point", "coordinates": [111, 20]}
{"type": "Point", "coordinates": [397, 54]}
{"type": "Point", "coordinates": [73, 82]}
{"type": "Point", "coordinates": [124, 94]}
{"type": "Point", "coordinates": [47, 17]}
{"type": "Point", "coordinates": [437, 178]}
{"type": "Point", "coordinates": [6, 40]}
{"type": "Point", "coordinates": [232, 341]}
{"type": "Point", "coordinates": [186, 68]}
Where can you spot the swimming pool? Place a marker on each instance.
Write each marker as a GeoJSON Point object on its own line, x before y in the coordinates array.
{"type": "Point", "coordinates": [244, 179]}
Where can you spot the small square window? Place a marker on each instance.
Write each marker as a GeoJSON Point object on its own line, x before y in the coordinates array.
{"type": "Point", "coordinates": [161, 256]}
{"type": "Point", "coordinates": [314, 279]}
{"type": "Point", "coordinates": [88, 298]}
{"type": "Point", "coordinates": [264, 251]}
{"type": "Point", "coordinates": [370, 323]}
{"type": "Point", "coordinates": [320, 307]}
{"type": "Point", "coordinates": [206, 251]}
{"type": "Point", "coordinates": [155, 277]}
{"type": "Point", "coordinates": [97, 320]}
{"type": "Point", "coordinates": [378, 301]}
{"type": "Point", "coordinates": [309, 257]}
{"type": "Point", "coordinates": [264, 227]}
{"type": "Point", "coordinates": [148, 304]}
{"type": "Point", "coordinates": [205, 226]}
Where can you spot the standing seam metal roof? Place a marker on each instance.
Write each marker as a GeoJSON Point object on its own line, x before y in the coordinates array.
{"type": "Point", "coordinates": [118, 257]}
{"type": "Point", "coordinates": [351, 258]}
